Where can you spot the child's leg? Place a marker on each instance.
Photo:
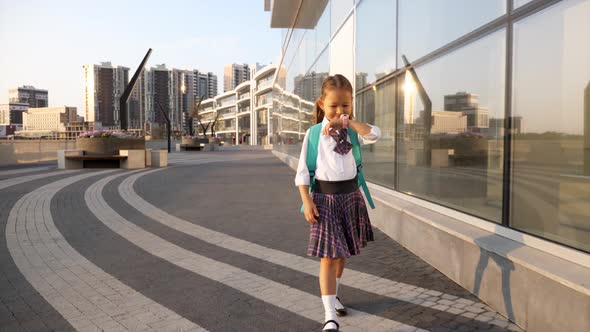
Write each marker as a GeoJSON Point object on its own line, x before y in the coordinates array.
{"type": "Point", "coordinates": [340, 309]}
{"type": "Point", "coordinates": [340, 269]}
{"type": "Point", "coordinates": [328, 269]}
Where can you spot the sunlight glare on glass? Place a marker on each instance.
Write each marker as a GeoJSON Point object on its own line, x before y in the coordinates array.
{"type": "Point", "coordinates": [409, 84]}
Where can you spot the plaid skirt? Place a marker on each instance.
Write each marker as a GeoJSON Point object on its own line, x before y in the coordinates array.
{"type": "Point", "coordinates": [343, 226]}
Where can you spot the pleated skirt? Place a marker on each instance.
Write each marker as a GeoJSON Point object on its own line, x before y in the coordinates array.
{"type": "Point", "coordinates": [343, 227]}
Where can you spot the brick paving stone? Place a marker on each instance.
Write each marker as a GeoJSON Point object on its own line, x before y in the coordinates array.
{"type": "Point", "coordinates": [386, 281]}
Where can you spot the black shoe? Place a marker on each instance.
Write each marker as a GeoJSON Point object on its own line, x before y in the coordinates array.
{"type": "Point", "coordinates": [332, 330]}
{"type": "Point", "coordinates": [341, 312]}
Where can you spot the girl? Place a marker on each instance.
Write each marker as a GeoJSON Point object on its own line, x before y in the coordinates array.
{"type": "Point", "coordinates": [336, 209]}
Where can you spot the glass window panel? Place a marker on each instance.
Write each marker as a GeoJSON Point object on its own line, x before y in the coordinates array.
{"type": "Point", "coordinates": [342, 52]}
{"type": "Point", "coordinates": [550, 194]}
{"type": "Point", "coordinates": [322, 30]}
{"type": "Point", "coordinates": [375, 55]}
{"type": "Point", "coordinates": [284, 34]}
{"type": "Point", "coordinates": [295, 105]}
{"type": "Point", "coordinates": [310, 51]}
{"type": "Point", "coordinates": [377, 107]}
{"type": "Point", "coordinates": [450, 142]}
{"type": "Point", "coordinates": [518, 3]}
{"type": "Point", "coordinates": [339, 11]}
{"type": "Point", "coordinates": [293, 47]}
{"type": "Point", "coordinates": [426, 25]}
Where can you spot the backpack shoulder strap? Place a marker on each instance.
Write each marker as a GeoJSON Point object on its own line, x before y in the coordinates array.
{"type": "Point", "coordinates": [356, 152]}
{"type": "Point", "coordinates": [311, 158]}
{"type": "Point", "coordinates": [312, 147]}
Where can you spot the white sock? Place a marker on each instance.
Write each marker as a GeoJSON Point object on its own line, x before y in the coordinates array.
{"type": "Point", "coordinates": [339, 305]}
{"type": "Point", "coordinates": [330, 310]}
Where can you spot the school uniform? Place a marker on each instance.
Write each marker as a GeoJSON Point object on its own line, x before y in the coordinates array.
{"type": "Point", "coordinates": [343, 226]}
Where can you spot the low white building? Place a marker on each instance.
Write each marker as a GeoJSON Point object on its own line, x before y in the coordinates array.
{"type": "Point", "coordinates": [241, 115]}
{"type": "Point", "coordinates": [49, 118]}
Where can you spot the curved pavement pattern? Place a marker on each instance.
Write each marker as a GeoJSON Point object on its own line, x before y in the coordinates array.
{"type": "Point", "coordinates": [124, 250]}
{"type": "Point", "coordinates": [75, 287]}
{"type": "Point", "coordinates": [356, 279]}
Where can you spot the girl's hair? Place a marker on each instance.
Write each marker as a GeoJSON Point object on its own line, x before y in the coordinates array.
{"type": "Point", "coordinates": [330, 83]}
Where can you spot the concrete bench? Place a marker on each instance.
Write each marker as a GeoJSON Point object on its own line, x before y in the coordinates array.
{"type": "Point", "coordinates": [63, 163]}
{"type": "Point", "coordinates": [127, 159]}
{"type": "Point", "coordinates": [96, 161]}
{"type": "Point", "coordinates": [134, 159]}
{"type": "Point", "coordinates": [158, 158]}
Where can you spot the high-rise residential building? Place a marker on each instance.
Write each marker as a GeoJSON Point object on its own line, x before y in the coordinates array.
{"type": "Point", "coordinates": [29, 95]}
{"type": "Point", "coordinates": [235, 74]}
{"type": "Point", "coordinates": [183, 98]}
{"type": "Point", "coordinates": [205, 84]}
{"type": "Point", "coordinates": [104, 85]}
{"type": "Point", "coordinates": [309, 86]}
{"type": "Point", "coordinates": [12, 113]}
{"type": "Point", "coordinates": [176, 91]}
{"type": "Point", "coordinates": [158, 87]}
{"type": "Point", "coordinates": [136, 104]}
{"type": "Point", "coordinates": [468, 103]}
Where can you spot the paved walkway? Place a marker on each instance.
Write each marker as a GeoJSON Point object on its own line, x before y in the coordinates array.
{"type": "Point", "coordinates": [213, 243]}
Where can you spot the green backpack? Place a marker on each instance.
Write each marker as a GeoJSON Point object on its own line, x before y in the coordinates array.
{"type": "Point", "coordinates": [312, 156]}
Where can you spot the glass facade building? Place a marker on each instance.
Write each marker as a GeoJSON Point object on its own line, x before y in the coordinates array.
{"type": "Point", "coordinates": [484, 106]}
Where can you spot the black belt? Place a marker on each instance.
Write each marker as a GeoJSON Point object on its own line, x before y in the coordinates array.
{"type": "Point", "coordinates": [336, 187]}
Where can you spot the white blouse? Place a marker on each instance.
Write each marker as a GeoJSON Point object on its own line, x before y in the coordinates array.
{"type": "Point", "coordinates": [331, 166]}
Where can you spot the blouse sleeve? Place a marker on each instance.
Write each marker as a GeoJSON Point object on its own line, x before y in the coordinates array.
{"type": "Point", "coordinates": [372, 137]}
{"type": "Point", "coordinates": [302, 175]}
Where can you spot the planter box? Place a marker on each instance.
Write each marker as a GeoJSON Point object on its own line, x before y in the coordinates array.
{"type": "Point", "coordinates": [108, 145]}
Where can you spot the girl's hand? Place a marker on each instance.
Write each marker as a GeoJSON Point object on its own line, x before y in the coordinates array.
{"type": "Point", "coordinates": [335, 124]}
{"type": "Point", "coordinates": [311, 212]}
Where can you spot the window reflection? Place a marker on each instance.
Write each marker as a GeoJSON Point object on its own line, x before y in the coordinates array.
{"type": "Point", "coordinates": [377, 107]}
{"type": "Point", "coordinates": [425, 25]}
{"type": "Point", "coordinates": [339, 11]}
{"type": "Point", "coordinates": [449, 134]}
{"type": "Point", "coordinates": [518, 3]}
{"type": "Point", "coordinates": [551, 149]}
{"type": "Point", "coordinates": [322, 31]}
{"type": "Point", "coordinates": [293, 107]}
{"type": "Point", "coordinates": [375, 41]}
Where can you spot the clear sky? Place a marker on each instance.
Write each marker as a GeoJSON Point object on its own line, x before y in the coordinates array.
{"type": "Point", "coordinates": [46, 43]}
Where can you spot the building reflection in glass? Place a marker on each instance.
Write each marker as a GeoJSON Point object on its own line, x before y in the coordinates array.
{"type": "Point", "coordinates": [550, 177]}
{"type": "Point", "coordinates": [450, 150]}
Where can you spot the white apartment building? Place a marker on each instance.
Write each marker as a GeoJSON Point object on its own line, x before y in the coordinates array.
{"type": "Point", "coordinates": [241, 115]}
{"type": "Point", "coordinates": [49, 118]}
